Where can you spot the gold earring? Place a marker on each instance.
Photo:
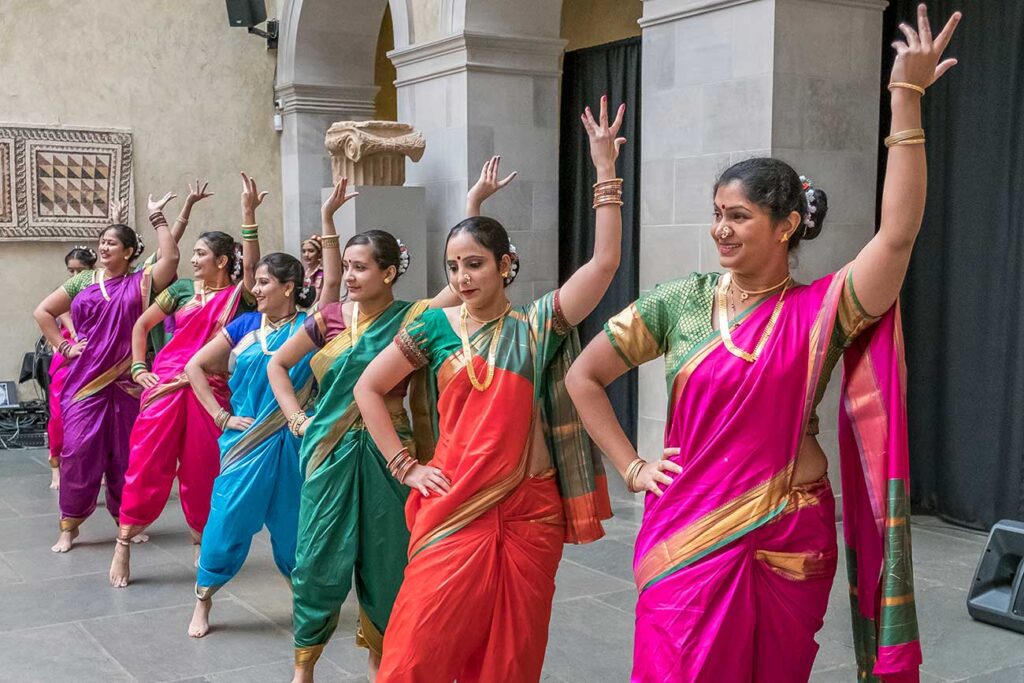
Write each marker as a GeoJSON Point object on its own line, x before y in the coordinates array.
{"type": "Point", "coordinates": [387, 281]}
{"type": "Point", "coordinates": [505, 275]}
{"type": "Point", "coordinates": [785, 238]}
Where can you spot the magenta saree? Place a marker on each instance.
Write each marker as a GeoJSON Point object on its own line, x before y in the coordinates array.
{"type": "Point", "coordinates": [174, 436]}
{"type": "Point", "coordinates": [734, 563]}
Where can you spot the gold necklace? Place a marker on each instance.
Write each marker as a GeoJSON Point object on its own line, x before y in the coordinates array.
{"type": "Point", "coordinates": [274, 326]}
{"type": "Point", "coordinates": [746, 294]}
{"type": "Point", "coordinates": [205, 290]}
{"type": "Point", "coordinates": [467, 350]}
{"type": "Point", "coordinates": [723, 322]}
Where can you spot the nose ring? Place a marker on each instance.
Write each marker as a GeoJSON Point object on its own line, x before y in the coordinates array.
{"type": "Point", "coordinates": [725, 232]}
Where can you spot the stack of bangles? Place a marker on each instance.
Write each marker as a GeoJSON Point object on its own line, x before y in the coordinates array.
{"type": "Point", "coordinates": [222, 419]}
{"type": "Point", "coordinates": [296, 420]}
{"type": "Point", "coordinates": [329, 241]}
{"type": "Point", "coordinates": [608, 192]}
{"type": "Point", "coordinates": [182, 220]}
{"type": "Point", "coordinates": [400, 465]}
{"type": "Point", "coordinates": [251, 232]}
{"type": "Point", "coordinates": [137, 367]}
{"type": "Point", "coordinates": [912, 136]}
{"type": "Point", "coordinates": [632, 472]}
{"type": "Point", "coordinates": [158, 220]}
{"type": "Point", "coordinates": [65, 348]}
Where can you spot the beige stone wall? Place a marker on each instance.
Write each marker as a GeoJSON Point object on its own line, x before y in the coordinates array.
{"type": "Point", "coordinates": [586, 23]}
{"type": "Point", "coordinates": [196, 94]}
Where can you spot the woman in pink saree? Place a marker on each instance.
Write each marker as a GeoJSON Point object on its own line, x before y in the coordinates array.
{"type": "Point", "coordinates": [737, 550]}
{"type": "Point", "coordinates": [173, 436]}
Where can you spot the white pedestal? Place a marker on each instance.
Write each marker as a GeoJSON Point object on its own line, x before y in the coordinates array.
{"type": "Point", "coordinates": [402, 211]}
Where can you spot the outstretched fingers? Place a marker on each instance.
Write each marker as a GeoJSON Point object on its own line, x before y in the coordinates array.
{"type": "Point", "coordinates": [946, 35]}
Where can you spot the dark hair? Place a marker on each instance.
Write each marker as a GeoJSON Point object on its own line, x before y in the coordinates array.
{"type": "Point", "coordinates": [492, 236]}
{"type": "Point", "coordinates": [85, 255]}
{"type": "Point", "coordinates": [773, 185]}
{"type": "Point", "coordinates": [223, 244]}
{"type": "Point", "coordinates": [286, 268]}
{"type": "Point", "coordinates": [128, 238]}
{"type": "Point", "coordinates": [386, 251]}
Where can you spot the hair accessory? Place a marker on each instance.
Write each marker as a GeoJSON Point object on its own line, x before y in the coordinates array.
{"type": "Point", "coordinates": [138, 240]}
{"type": "Point", "coordinates": [315, 240]}
{"type": "Point", "coordinates": [514, 270]}
{"type": "Point", "coordinates": [809, 193]}
{"type": "Point", "coordinates": [236, 270]}
{"type": "Point", "coordinates": [404, 257]}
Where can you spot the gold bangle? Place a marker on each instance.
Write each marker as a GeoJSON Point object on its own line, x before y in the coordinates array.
{"type": "Point", "coordinates": [912, 141]}
{"type": "Point", "coordinates": [181, 220]}
{"type": "Point", "coordinates": [329, 242]}
{"type": "Point", "coordinates": [606, 201]}
{"type": "Point", "coordinates": [906, 86]}
{"type": "Point", "coordinates": [632, 471]}
{"type": "Point", "coordinates": [900, 136]}
{"type": "Point", "coordinates": [250, 225]}
{"type": "Point", "coordinates": [607, 183]}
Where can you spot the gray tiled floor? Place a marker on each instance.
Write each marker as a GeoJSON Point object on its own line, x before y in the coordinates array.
{"type": "Point", "coordinates": [59, 621]}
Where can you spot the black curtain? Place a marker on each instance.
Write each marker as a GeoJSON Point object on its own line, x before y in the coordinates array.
{"type": "Point", "coordinates": [964, 297]}
{"type": "Point", "coordinates": [612, 69]}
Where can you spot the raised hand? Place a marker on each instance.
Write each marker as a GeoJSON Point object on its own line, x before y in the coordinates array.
{"type": "Point", "coordinates": [157, 205]}
{"type": "Point", "coordinates": [488, 183]}
{"type": "Point", "coordinates": [604, 137]}
{"type": "Point", "coordinates": [197, 193]}
{"type": "Point", "coordinates": [337, 198]}
{"type": "Point", "coordinates": [917, 58]}
{"type": "Point", "coordinates": [251, 196]}
{"type": "Point", "coordinates": [119, 211]}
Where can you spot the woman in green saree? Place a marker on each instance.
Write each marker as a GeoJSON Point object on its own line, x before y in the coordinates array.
{"type": "Point", "coordinates": [352, 511]}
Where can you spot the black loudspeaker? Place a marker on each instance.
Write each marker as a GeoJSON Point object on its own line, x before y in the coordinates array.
{"type": "Point", "coordinates": [246, 13]}
{"type": "Point", "coordinates": [996, 595]}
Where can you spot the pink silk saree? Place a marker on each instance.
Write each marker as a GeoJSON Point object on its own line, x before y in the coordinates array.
{"type": "Point", "coordinates": [734, 564]}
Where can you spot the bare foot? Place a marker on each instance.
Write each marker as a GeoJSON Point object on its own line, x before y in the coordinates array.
{"type": "Point", "coordinates": [372, 666]}
{"type": "Point", "coordinates": [55, 478]}
{"type": "Point", "coordinates": [64, 541]}
{"type": "Point", "coordinates": [200, 625]}
{"type": "Point", "coordinates": [120, 566]}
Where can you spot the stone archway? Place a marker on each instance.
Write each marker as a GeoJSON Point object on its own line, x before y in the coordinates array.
{"type": "Point", "coordinates": [325, 73]}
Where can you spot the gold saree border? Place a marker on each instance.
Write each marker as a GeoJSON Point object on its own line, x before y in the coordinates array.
{"type": "Point", "coordinates": [104, 380]}
{"type": "Point", "coordinates": [716, 528]}
{"type": "Point", "coordinates": [259, 433]}
{"type": "Point", "coordinates": [71, 523]}
{"type": "Point", "coordinates": [306, 657]}
{"type": "Point", "coordinates": [367, 634]}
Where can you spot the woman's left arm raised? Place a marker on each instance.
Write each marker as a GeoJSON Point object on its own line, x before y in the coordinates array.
{"type": "Point", "coordinates": [582, 292]}
{"type": "Point", "coordinates": [881, 266]}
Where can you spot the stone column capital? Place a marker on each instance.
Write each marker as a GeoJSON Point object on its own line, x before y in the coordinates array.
{"type": "Point", "coordinates": [665, 11]}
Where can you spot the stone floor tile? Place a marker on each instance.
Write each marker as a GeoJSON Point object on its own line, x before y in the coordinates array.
{"type": "Point", "coordinates": [41, 603]}
{"type": "Point", "coordinates": [238, 639]}
{"type": "Point", "coordinates": [280, 672]}
{"type": "Point", "coordinates": [589, 641]}
{"type": "Point", "coordinates": [28, 655]}
{"type": "Point", "coordinates": [574, 581]}
{"type": "Point", "coordinates": [608, 556]}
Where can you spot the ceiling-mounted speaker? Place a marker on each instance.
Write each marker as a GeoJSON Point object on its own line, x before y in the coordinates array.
{"type": "Point", "coordinates": [246, 13]}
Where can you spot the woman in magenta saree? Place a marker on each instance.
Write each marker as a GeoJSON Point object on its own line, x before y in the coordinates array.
{"type": "Point", "coordinates": [99, 401]}
{"type": "Point", "coordinates": [737, 549]}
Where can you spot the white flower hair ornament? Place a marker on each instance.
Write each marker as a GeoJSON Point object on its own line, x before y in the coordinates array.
{"type": "Point", "coordinates": [514, 268]}
{"type": "Point", "coordinates": [404, 258]}
{"type": "Point", "coordinates": [808, 187]}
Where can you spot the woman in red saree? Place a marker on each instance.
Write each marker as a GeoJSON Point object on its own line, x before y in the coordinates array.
{"type": "Point", "coordinates": [737, 549]}
{"type": "Point", "coordinates": [512, 477]}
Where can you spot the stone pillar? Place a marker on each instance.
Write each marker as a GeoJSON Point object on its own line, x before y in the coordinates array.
{"type": "Point", "coordinates": [724, 80]}
{"type": "Point", "coordinates": [400, 211]}
{"type": "Point", "coordinates": [474, 95]}
{"type": "Point", "coordinates": [307, 112]}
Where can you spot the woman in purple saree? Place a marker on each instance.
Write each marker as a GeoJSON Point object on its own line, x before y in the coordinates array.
{"type": "Point", "coordinates": [737, 549]}
{"type": "Point", "coordinates": [99, 400]}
